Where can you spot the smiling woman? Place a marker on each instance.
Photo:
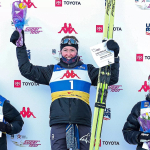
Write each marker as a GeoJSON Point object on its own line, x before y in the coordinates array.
{"type": "Point", "coordinates": [70, 81]}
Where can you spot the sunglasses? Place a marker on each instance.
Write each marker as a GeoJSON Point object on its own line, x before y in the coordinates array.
{"type": "Point", "coordinates": [69, 41]}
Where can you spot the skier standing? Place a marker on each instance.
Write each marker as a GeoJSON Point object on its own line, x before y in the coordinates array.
{"type": "Point", "coordinates": [132, 131]}
{"type": "Point", "coordinates": [70, 81]}
{"type": "Point", "coordinates": [12, 122]}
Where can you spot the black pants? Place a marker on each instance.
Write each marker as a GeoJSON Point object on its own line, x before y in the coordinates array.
{"type": "Point", "coordinates": [58, 137]}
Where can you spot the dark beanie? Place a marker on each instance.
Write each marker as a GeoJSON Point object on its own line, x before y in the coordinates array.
{"type": "Point", "coordinates": [64, 45]}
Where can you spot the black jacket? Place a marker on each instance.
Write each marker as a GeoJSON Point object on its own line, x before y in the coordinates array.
{"type": "Point", "coordinates": [12, 116]}
{"type": "Point", "coordinates": [63, 110]}
{"type": "Point", "coordinates": [131, 127]}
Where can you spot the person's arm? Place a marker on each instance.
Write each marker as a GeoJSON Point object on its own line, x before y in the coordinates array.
{"type": "Point", "coordinates": [93, 73]}
{"type": "Point", "coordinates": [37, 74]}
{"type": "Point", "coordinates": [131, 127]}
{"type": "Point", "coordinates": [12, 116]}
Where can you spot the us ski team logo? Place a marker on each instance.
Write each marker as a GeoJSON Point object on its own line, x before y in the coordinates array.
{"type": "Point", "coordinates": [70, 74]}
{"type": "Point", "coordinates": [86, 138]}
{"type": "Point", "coordinates": [147, 28]}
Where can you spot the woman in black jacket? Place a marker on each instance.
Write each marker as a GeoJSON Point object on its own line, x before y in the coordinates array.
{"type": "Point", "coordinates": [131, 130]}
{"type": "Point", "coordinates": [70, 82]}
{"type": "Point", "coordinates": [12, 122]}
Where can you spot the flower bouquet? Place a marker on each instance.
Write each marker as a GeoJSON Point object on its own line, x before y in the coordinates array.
{"type": "Point", "coordinates": [144, 121]}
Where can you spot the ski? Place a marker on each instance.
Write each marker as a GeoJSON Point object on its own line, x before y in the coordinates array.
{"type": "Point", "coordinates": [103, 80]}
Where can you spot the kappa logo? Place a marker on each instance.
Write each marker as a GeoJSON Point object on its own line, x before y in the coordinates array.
{"type": "Point", "coordinates": [27, 113]}
{"type": "Point", "coordinates": [145, 87]}
{"type": "Point", "coordinates": [86, 138]}
{"type": "Point", "coordinates": [68, 29]}
{"type": "Point", "coordinates": [70, 74]}
{"type": "Point", "coordinates": [29, 3]}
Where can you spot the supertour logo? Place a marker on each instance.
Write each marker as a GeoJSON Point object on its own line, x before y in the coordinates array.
{"type": "Point", "coordinates": [147, 28]}
{"type": "Point", "coordinates": [26, 113]}
{"type": "Point", "coordinates": [107, 114]}
{"type": "Point", "coordinates": [22, 141]}
{"type": "Point", "coordinates": [145, 87]}
{"type": "Point", "coordinates": [99, 29]}
{"type": "Point", "coordinates": [17, 84]}
{"type": "Point", "coordinates": [141, 57]}
{"type": "Point", "coordinates": [29, 3]}
{"type": "Point", "coordinates": [67, 29]}
{"type": "Point", "coordinates": [115, 88]}
{"type": "Point", "coordinates": [58, 3]}
{"type": "Point", "coordinates": [33, 30]}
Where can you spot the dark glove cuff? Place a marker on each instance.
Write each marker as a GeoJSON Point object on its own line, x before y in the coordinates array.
{"type": "Point", "coordinates": [8, 128]}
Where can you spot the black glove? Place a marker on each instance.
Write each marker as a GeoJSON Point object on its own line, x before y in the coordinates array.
{"type": "Point", "coordinates": [112, 45]}
{"type": "Point", "coordinates": [144, 137]}
{"type": "Point", "coordinates": [15, 36]}
{"type": "Point", "coordinates": [5, 127]}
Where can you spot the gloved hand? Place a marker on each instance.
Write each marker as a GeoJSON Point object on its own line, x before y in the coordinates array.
{"type": "Point", "coordinates": [144, 137]}
{"type": "Point", "coordinates": [112, 45]}
{"type": "Point", "coordinates": [17, 38]}
{"type": "Point", "coordinates": [5, 127]}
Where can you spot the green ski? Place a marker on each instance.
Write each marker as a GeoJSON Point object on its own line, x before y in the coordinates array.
{"type": "Point", "coordinates": [103, 80]}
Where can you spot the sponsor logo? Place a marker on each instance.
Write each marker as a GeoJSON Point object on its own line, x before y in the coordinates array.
{"type": "Point", "coordinates": [29, 3]}
{"type": "Point", "coordinates": [115, 88]}
{"type": "Point", "coordinates": [72, 3]}
{"type": "Point", "coordinates": [99, 28]}
{"type": "Point", "coordinates": [31, 143]}
{"type": "Point", "coordinates": [86, 138]}
{"type": "Point", "coordinates": [17, 83]}
{"type": "Point", "coordinates": [146, 104]}
{"type": "Point", "coordinates": [58, 3]}
{"type": "Point", "coordinates": [27, 113]}
{"type": "Point", "coordinates": [29, 54]}
{"type": "Point", "coordinates": [0, 4]}
{"type": "Point", "coordinates": [110, 143]}
{"type": "Point", "coordinates": [117, 29]}
{"type": "Point", "coordinates": [68, 29]}
{"type": "Point", "coordinates": [70, 74]}
{"type": "Point", "coordinates": [107, 114]}
{"type": "Point", "coordinates": [145, 87]}
{"type": "Point", "coordinates": [136, 1]}
{"type": "Point", "coordinates": [53, 51]}
{"type": "Point", "coordinates": [33, 30]}
{"type": "Point", "coordinates": [139, 57]}
{"type": "Point", "coordinates": [21, 141]}
{"type": "Point", "coordinates": [147, 29]}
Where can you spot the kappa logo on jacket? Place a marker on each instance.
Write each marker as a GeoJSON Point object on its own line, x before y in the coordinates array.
{"type": "Point", "coordinates": [70, 74]}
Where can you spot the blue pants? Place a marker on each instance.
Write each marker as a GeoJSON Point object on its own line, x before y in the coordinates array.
{"type": "Point", "coordinates": [58, 137]}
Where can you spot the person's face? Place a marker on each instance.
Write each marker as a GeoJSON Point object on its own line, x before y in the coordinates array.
{"type": "Point", "coordinates": [69, 52]}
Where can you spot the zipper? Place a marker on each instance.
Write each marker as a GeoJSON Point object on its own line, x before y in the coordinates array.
{"type": "Point", "coordinates": [69, 110]}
